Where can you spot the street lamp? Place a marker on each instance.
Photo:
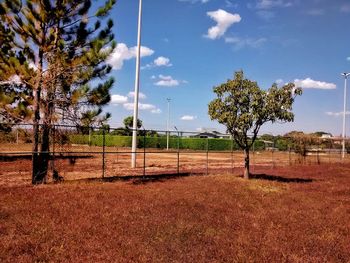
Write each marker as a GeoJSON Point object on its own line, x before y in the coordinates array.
{"type": "Point", "coordinates": [136, 93]}
{"type": "Point", "coordinates": [345, 75]}
{"type": "Point", "coordinates": [167, 124]}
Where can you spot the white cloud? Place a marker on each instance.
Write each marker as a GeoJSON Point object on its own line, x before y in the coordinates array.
{"type": "Point", "coordinates": [224, 20]}
{"type": "Point", "coordinates": [229, 4]}
{"type": "Point", "coordinates": [15, 79]}
{"type": "Point", "coordinates": [309, 83]}
{"type": "Point", "coordinates": [279, 81]}
{"type": "Point", "coordinates": [345, 8]}
{"type": "Point", "coordinates": [167, 81]}
{"type": "Point", "coordinates": [118, 99]}
{"type": "Point", "coordinates": [156, 111]}
{"type": "Point", "coordinates": [239, 43]}
{"type": "Point", "coordinates": [265, 14]}
{"type": "Point", "coordinates": [159, 62]}
{"type": "Point", "coordinates": [316, 12]}
{"type": "Point", "coordinates": [162, 61]}
{"type": "Point", "coordinates": [268, 4]}
{"type": "Point", "coordinates": [122, 53]}
{"type": "Point", "coordinates": [12, 80]}
{"type": "Point", "coordinates": [32, 65]}
{"type": "Point", "coordinates": [195, 1]}
{"type": "Point", "coordinates": [153, 77]}
{"type": "Point", "coordinates": [141, 95]}
{"type": "Point", "coordinates": [337, 114]}
{"type": "Point", "coordinates": [188, 118]}
{"type": "Point", "coordinates": [142, 106]}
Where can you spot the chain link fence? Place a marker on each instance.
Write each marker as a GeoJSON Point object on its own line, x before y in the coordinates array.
{"type": "Point", "coordinates": [77, 152]}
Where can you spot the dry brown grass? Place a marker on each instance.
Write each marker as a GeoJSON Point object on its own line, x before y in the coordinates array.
{"type": "Point", "coordinates": [215, 218]}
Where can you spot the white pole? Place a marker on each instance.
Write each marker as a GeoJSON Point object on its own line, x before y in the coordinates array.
{"type": "Point", "coordinates": [344, 113]}
{"type": "Point", "coordinates": [136, 93]}
{"type": "Point", "coordinates": [167, 125]}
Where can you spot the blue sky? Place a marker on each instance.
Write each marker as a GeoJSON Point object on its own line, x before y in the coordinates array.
{"type": "Point", "coordinates": [190, 46]}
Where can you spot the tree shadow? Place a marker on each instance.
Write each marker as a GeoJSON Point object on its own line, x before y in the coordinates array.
{"type": "Point", "coordinates": [137, 179]}
{"type": "Point", "coordinates": [28, 156]}
{"type": "Point", "coordinates": [280, 178]}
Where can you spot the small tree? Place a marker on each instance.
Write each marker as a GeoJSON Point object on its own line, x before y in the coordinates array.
{"type": "Point", "coordinates": [301, 142]}
{"type": "Point", "coordinates": [243, 108]}
{"type": "Point", "coordinates": [128, 122]}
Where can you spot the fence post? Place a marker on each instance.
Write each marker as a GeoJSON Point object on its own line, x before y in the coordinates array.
{"type": "Point", "coordinates": [232, 154]}
{"type": "Point", "coordinates": [178, 153]}
{"type": "Point", "coordinates": [207, 155]}
{"type": "Point", "coordinates": [178, 150]}
{"type": "Point", "coordinates": [289, 155]}
{"type": "Point", "coordinates": [53, 148]}
{"type": "Point", "coordinates": [253, 159]}
{"type": "Point", "coordinates": [144, 152]}
{"type": "Point", "coordinates": [103, 151]}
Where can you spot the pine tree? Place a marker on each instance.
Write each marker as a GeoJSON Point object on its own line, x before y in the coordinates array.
{"type": "Point", "coordinates": [15, 95]}
{"type": "Point", "coordinates": [67, 55]}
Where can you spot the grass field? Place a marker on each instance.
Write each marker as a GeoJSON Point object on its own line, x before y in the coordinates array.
{"type": "Point", "coordinates": [286, 214]}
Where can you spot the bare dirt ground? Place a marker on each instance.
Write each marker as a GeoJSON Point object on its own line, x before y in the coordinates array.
{"type": "Point", "coordinates": [82, 162]}
{"type": "Point", "coordinates": [283, 214]}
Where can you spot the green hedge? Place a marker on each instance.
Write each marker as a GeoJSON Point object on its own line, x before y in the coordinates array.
{"type": "Point", "coordinates": [160, 142]}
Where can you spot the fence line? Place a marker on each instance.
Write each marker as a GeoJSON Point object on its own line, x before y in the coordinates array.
{"type": "Point", "coordinates": [92, 152]}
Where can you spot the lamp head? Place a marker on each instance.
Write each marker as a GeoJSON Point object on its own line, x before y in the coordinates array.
{"type": "Point", "coordinates": [345, 74]}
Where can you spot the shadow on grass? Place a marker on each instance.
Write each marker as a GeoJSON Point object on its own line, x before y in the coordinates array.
{"type": "Point", "coordinates": [280, 178]}
{"type": "Point", "coordinates": [19, 157]}
{"type": "Point", "coordinates": [137, 179]}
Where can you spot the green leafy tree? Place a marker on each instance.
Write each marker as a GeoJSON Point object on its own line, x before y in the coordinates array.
{"type": "Point", "coordinates": [128, 122]}
{"type": "Point", "coordinates": [243, 108]}
{"type": "Point", "coordinates": [301, 143]}
{"type": "Point", "coordinates": [66, 48]}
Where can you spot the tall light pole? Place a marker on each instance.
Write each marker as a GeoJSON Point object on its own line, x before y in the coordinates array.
{"type": "Point", "coordinates": [136, 93]}
{"type": "Point", "coordinates": [345, 75]}
{"type": "Point", "coordinates": [167, 124]}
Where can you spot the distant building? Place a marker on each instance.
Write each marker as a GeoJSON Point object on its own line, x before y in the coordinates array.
{"type": "Point", "coordinates": [269, 145]}
{"type": "Point", "coordinates": [326, 136]}
{"type": "Point", "coordinates": [211, 134]}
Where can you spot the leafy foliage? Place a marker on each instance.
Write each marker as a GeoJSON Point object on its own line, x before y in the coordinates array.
{"type": "Point", "coordinates": [128, 122]}
{"type": "Point", "coordinates": [243, 108]}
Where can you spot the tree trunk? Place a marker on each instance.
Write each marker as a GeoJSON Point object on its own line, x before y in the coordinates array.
{"type": "Point", "coordinates": [36, 129]}
{"type": "Point", "coordinates": [36, 175]}
{"type": "Point", "coordinates": [246, 163]}
{"type": "Point", "coordinates": [46, 131]}
{"type": "Point", "coordinates": [44, 152]}
{"type": "Point", "coordinates": [35, 148]}
{"type": "Point", "coordinates": [42, 161]}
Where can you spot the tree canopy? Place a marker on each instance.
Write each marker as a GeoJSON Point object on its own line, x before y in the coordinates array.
{"type": "Point", "coordinates": [56, 50]}
{"type": "Point", "coordinates": [243, 108]}
{"type": "Point", "coordinates": [128, 122]}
